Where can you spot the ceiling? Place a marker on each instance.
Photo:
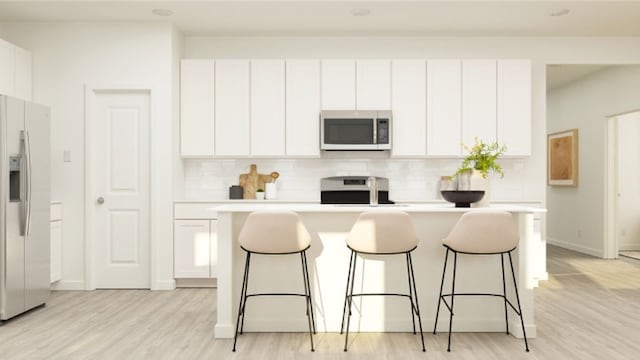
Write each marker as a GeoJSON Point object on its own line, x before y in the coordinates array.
{"type": "Point", "coordinates": [330, 17]}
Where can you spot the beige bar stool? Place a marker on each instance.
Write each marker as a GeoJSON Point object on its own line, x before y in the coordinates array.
{"type": "Point", "coordinates": [274, 233]}
{"type": "Point", "coordinates": [481, 233]}
{"type": "Point", "coordinates": [383, 232]}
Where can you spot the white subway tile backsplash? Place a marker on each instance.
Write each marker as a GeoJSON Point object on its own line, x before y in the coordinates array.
{"type": "Point", "coordinates": [409, 179]}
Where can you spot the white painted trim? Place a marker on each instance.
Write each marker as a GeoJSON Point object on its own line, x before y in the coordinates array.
{"type": "Point", "coordinates": [610, 245]}
{"type": "Point", "coordinates": [571, 246]}
{"type": "Point", "coordinates": [68, 285]}
{"type": "Point", "coordinates": [90, 92]}
{"type": "Point", "coordinates": [163, 285]}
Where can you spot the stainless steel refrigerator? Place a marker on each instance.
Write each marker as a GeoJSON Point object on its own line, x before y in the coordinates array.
{"type": "Point", "coordinates": [24, 206]}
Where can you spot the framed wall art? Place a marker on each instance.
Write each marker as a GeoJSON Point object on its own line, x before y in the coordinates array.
{"type": "Point", "coordinates": [562, 158]}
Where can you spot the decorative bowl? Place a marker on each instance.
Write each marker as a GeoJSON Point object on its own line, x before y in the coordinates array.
{"type": "Point", "coordinates": [462, 198]}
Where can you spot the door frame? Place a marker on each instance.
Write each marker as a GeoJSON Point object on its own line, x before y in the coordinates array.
{"type": "Point", "coordinates": [89, 207]}
{"type": "Point", "coordinates": [610, 248]}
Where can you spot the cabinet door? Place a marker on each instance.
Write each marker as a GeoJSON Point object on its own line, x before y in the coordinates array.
{"type": "Point", "coordinates": [267, 107]}
{"type": "Point", "coordinates": [373, 85]}
{"type": "Point", "coordinates": [514, 106]}
{"type": "Point", "coordinates": [478, 101]}
{"type": "Point", "coordinates": [213, 243]}
{"type": "Point", "coordinates": [232, 108]}
{"type": "Point", "coordinates": [191, 248]}
{"type": "Point", "coordinates": [6, 68]}
{"type": "Point", "coordinates": [56, 250]}
{"type": "Point", "coordinates": [338, 84]}
{"type": "Point", "coordinates": [303, 107]}
{"type": "Point", "coordinates": [197, 107]}
{"type": "Point", "coordinates": [408, 91]}
{"type": "Point", "coordinates": [444, 107]}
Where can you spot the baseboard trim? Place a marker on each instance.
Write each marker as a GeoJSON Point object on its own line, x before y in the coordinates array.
{"type": "Point", "coordinates": [575, 247]}
{"type": "Point", "coordinates": [162, 285]}
{"type": "Point", "coordinates": [65, 285]}
{"type": "Point", "coordinates": [197, 283]}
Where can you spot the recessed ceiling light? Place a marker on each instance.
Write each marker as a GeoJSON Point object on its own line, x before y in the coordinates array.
{"type": "Point", "coordinates": [162, 12]}
{"type": "Point", "coordinates": [360, 12]}
{"type": "Point", "coordinates": [559, 12]}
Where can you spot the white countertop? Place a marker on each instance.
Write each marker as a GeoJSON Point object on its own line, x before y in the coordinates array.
{"type": "Point", "coordinates": [441, 207]}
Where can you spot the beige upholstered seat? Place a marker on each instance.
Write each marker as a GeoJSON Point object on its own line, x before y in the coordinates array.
{"type": "Point", "coordinates": [483, 232]}
{"type": "Point", "coordinates": [388, 233]}
{"type": "Point", "coordinates": [274, 232]}
{"type": "Point", "coordinates": [383, 232]}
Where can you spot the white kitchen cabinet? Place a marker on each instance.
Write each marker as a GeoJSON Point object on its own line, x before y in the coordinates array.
{"type": "Point", "coordinates": [444, 107]}
{"type": "Point", "coordinates": [338, 84]}
{"type": "Point", "coordinates": [195, 241]}
{"type": "Point", "coordinates": [408, 91]}
{"type": "Point", "coordinates": [197, 108]}
{"type": "Point", "coordinates": [302, 107]}
{"type": "Point", "coordinates": [22, 73]}
{"type": "Point", "coordinates": [56, 242]}
{"type": "Point", "coordinates": [373, 84]}
{"type": "Point", "coordinates": [6, 68]}
{"type": "Point", "coordinates": [479, 110]}
{"type": "Point", "coordinates": [232, 108]}
{"type": "Point", "coordinates": [514, 106]}
{"type": "Point", "coordinates": [267, 108]}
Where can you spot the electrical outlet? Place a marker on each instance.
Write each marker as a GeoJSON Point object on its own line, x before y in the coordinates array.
{"type": "Point", "coordinates": [66, 155]}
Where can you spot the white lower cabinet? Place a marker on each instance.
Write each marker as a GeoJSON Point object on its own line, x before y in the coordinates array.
{"type": "Point", "coordinates": [195, 242]}
{"type": "Point", "coordinates": [56, 242]}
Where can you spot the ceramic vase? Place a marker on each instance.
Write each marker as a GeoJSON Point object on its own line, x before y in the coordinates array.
{"type": "Point", "coordinates": [477, 182]}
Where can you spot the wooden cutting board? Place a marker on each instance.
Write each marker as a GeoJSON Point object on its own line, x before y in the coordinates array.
{"type": "Point", "coordinates": [253, 181]}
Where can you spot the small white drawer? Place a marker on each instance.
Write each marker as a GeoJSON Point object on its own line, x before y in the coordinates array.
{"type": "Point", "coordinates": [195, 211]}
{"type": "Point", "coordinates": [56, 212]}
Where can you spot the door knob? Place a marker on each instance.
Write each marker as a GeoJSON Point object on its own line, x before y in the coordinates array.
{"type": "Point", "coordinates": [100, 200]}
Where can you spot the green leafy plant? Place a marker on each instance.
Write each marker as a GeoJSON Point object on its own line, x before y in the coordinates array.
{"type": "Point", "coordinates": [482, 157]}
{"type": "Point", "coordinates": [260, 190]}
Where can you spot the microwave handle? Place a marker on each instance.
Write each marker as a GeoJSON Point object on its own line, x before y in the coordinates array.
{"type": "Point", "coordinates": [375, 131]}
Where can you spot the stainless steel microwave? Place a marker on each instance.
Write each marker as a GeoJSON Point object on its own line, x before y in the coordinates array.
{"type": "Point", "coordinates": [355, 130]}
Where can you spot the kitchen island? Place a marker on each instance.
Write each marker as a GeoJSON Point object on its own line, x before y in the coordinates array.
{"type": "Point", "coordinates": [329, 261]}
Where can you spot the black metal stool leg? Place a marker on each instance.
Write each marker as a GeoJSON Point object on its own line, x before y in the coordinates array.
{"type": "Point", "coordinates": [306, 274]}
{"type": "Point", "coordinates": [346, 292]}
{"type": "Point", "coordinates": [504, 293]}
{"type": "Point", "coordinates": [444, 270]}
{"type": "Point", "coordinates": [515, 286]}
{"type": "Point", "coordinates": [413, 319]}
{"type": "Point", "coordinates": [415, 294]}
{"type": "Point", "coordinates": [243, 294]}
{"type": "Point", "coordinates": [246, 288]}
{"type": "Point", "coordinates": [453, 291]}
{"type": "Point", "coordinates": [352, 276]}
{"type": "Point", "coordinates": [307, 295]}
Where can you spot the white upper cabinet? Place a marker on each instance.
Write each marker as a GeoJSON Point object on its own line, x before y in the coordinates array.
{"type": "Point", "coordinates": [444, 107]}
{"type": "Point", "coordinates": [232, 108]}
{"type": "Point", "coordinates": [514, 106]}
{"type": "Point", "coordinates": [479, 81]}
{"type": "Point", "coordinates": [6, 68]}
{"type": "Point", "coordinates": [22, 73]}
{"type": "Point", "coordinates": [338, 84]}
{"type": "Point", "coordinates": [408, 91]}
{"type": "Point", "coordinates": [267, 107]}
{"type": "Point", "coordinates": [373, 85]}
{"type": "Point", "coordinates": [302, 107]}
{"type": "Point", "coordinates": [197, 107]}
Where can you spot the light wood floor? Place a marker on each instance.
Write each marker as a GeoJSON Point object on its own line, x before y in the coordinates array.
{"type": "Point", "coordinates": [589, 309]}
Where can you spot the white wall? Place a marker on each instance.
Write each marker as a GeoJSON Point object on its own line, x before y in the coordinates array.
{"type": "Point", "coordinates": [628, 165]}
{"type": "Point", "coordinates": [576, 214]}
{"type": "Point", "coordinates": [68, 56]}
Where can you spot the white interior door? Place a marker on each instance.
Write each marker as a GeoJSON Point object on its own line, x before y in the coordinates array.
{"type": "Point", "coordinates": [628, 203]}
{"type": "Point", "coordinates": [121, 186]}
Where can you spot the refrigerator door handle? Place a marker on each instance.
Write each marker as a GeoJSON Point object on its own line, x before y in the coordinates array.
{"type": "Point", "coordinates": [27, 143]}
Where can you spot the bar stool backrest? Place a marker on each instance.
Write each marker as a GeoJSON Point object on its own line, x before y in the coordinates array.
{"type": "Point", "coordinates": [483, 232]}
{"type": "Point", "coordinates": [383, 232]}
{"type": "Point", "coordinates": [274, 232]}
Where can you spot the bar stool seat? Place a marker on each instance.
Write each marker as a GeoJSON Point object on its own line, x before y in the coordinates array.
{"type": "Point", "coordinates": [274, 233]}
{"type": "Point", "coordinates": [384, 232]}
{"type": "Point", "coordinates": [481, 232]}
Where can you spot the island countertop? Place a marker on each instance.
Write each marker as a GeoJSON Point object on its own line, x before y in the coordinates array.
{"type": "Point", "coordinates": [329, 260]}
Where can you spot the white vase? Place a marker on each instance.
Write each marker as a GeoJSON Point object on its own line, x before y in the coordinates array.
{"type": "Point", "coordinates": [477, 182]}
{"type": "Point", "coordinates": [260, 195]}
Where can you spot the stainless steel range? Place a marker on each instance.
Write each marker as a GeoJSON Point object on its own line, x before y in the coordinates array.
{"type": "Point", "coordinates": [352, 190]}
